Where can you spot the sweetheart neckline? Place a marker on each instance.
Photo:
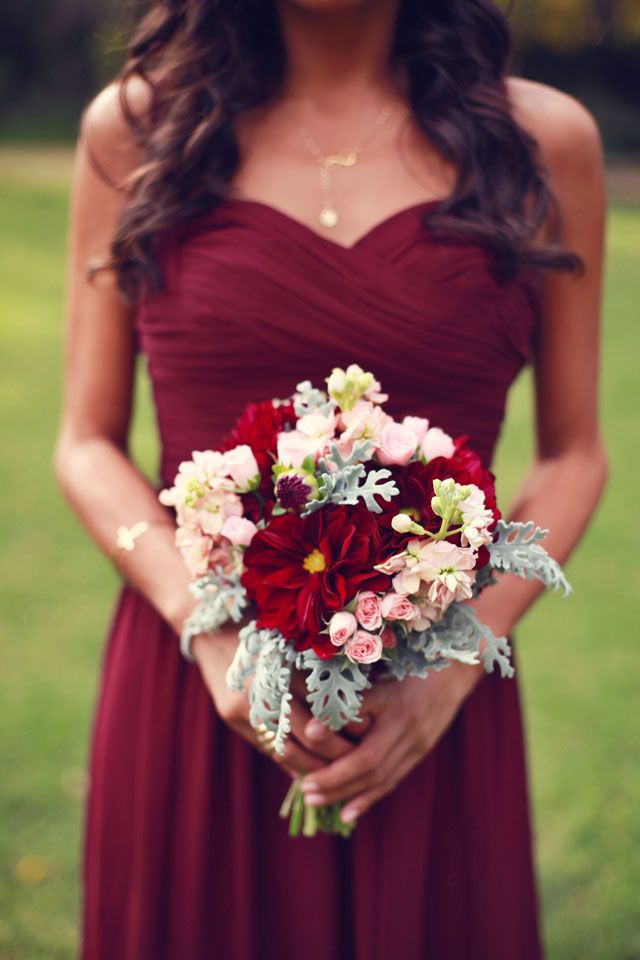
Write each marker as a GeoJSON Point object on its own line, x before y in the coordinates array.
{"type": "Point", "coordinates": [304, 228]}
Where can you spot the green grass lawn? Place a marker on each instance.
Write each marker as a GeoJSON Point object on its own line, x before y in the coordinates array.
{"type": "Point", "coordinates": [579, 659]}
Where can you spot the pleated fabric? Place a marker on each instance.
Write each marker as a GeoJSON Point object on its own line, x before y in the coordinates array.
{"type": "Point", "coordinates": [185, 857]}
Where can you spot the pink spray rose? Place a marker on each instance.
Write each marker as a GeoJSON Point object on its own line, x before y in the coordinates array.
{"type": "Point", "coordinates": [419, 425]}
{"type": "Point", "coordinates": [364, 647]}
{"type": "Point", "coordinates": [395, 606]}
{"type": "Point", "coordinates": [368, 610]}
{"type": "Point", "coordinates": [342, 626]}
{"type": "Point", "coordinates": [397, 445]}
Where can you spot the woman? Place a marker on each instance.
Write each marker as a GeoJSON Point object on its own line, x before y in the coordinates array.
{"type": "Point", "coordinates": [455, 235]}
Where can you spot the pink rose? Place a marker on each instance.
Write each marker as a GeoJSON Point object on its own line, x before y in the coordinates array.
{"type": "Point", "coordinates": [419, 425]}
{"type": "Point", "coordinates": [437, 443]}
{"type": "Point", "coordinates": [389, 639]}
{"type": "Point", "coordinates": [239, 530]}
{"type": "Point", "coordinates": [394, 606]}
{"type": "Point", "coordinates": [368, 610]}
{"type": "Point", "coordinates": [242, 467]}
{"type": "Point", "coordinates": [294, 447]}
{"type": "Point", "coordinates": [397, 444]}
{"type": "Point", "coordinates": [342, 626]}
{"type": "Point", "coordinates": [364, 647]}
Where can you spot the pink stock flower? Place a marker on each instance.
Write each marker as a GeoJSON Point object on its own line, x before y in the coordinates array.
{"type": "Point", "coordinates": [212, 510]}
{"type": "Point", "coordinates": [320, 431]}
{"type": "Point", "coordinates": [374, 393]}
{"type": "Point", "coordinates": [395, 606]}
{"type": "Point", "coordinates": [293, 448]}
{"type": "Point", "coordinates": [368, 612]}
{"type": "Point", "coordinates": [364, 647]}
{"type": "Point", "coordinates": [224, 559]}
{"type": "Point", "coordinates": [242, 467]}
{"type": "Point", "coordinates": [195, 549]}
{"type": "Point", "coordinates": [364, 422]}
{"type": "Point", "coordinates": [397, 444]}
{"type": "Point", "coordinates": [342, 626]}
{"type": "Point", "coordinates": [449, 571]}
{"type": "Point", "coordinates": [239, 530]}
{"type": "Point", "coordinates": [476, 533]}
{"type": "Point", "coordinates": [393, 564]}
{"type": "Point", "coordinates": [425, 614]}
{"type": "Point", "coordinates": [436, 443]}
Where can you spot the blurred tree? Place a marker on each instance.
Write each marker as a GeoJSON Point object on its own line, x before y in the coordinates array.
{"type": "Point", "coordinates": [55, 53]}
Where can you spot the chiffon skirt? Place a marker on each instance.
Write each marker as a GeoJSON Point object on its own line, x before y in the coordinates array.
{"type": "Point", "coordinates": [185, 857]}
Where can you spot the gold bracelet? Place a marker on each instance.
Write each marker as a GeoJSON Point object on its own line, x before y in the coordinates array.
{"type": "Point", "coordinates": [126, 540]}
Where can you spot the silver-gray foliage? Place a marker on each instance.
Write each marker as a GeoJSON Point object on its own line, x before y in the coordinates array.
{"type": "Point", "coordinates": [265, 657]}
{"type": "Point", "coordinates": [345, 480]}
{"type": "Point", "coordinates": [308, 399]}
{"type": "Point", "coordinates": [334, 688]}
{"type": "Point", "coordinates": [515, 550]}
{"type": "Point", "coordinates": [458, 636]}
{"type": "Point", "coordinates": [220, 598]}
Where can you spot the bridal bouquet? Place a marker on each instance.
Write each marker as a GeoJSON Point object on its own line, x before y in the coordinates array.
{"type": "Point", "coordinates": [353, 541]}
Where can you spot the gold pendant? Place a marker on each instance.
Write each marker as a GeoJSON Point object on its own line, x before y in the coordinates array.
{"type": "Point", "coordinates": [328, 217]}
{"type": "Point", "coordinates": [347, 159]}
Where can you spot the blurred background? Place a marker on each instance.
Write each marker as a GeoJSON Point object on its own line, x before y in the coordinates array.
{"type": "Point", "coordinates": [579, 659]}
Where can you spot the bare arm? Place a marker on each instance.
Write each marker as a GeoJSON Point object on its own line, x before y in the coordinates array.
{"type": "Point", "coordinates": [561, 488]}
{"type": "Point", "coordinates": [91, 459]}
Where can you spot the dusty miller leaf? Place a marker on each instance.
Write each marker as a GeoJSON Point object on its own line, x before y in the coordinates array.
{"type": "Point", "coordinates": [308, 399]}
{"type": "Point", "coordinates": [515, 550]}
{"type": "Point", "coordinates": [265, 657]}
{"type": "Point", "coordinates": [334, 688]}
{"type": "Point", "coordinates": [242, 666]}
{"type": "Point", "coordinates": [349, 481]}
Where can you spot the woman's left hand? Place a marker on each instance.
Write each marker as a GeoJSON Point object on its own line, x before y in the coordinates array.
{"type": "Point", "coordinates": [407, 720]}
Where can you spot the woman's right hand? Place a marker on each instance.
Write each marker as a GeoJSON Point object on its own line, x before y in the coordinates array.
{"type": "Point", "coordinates": [302, 754]}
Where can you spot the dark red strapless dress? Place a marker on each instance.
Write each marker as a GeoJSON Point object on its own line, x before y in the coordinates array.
{"type": "Point", "coordinates": [185, 857]}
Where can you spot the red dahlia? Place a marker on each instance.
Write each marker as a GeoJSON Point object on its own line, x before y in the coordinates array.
{"type": "Point", "coordinates": [301, 570]}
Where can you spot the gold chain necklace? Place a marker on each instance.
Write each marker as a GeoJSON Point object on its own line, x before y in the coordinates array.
{"type": "Point", "coordinates": [327, 163]}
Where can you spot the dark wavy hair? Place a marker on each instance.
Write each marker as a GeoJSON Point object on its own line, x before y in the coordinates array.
{"type": "Point", "coordinates": [206, 61]}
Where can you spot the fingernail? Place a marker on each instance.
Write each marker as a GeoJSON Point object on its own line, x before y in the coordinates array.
{"type": "Point", "coordinates": [309, 786]}
{"type": "Point", "coordinates": [314, 799]}
{"type": "Point", "coordinates": [348, 815]}
{"type": "Point", "coordinates": [315, 730]}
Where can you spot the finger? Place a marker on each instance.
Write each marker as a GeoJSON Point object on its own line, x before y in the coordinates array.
{"type": "Point", "coordinates": [294, 757]}
{"type": "Point", "coordinates": [359, 804]}
{"type": "Point", "coordinates": [360, 768]}
{"type": "Point", "coordinates": [357, 728]}
{"type": "Point", "coordinates": [373, 703]}
{"type": "Point", "coordinates": [315, 736]}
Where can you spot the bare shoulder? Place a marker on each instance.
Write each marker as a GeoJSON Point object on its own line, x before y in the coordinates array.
{"type": "Point", "coordinates": [109, 127]}
{"type": "Point", "coordinates": [566, 131]}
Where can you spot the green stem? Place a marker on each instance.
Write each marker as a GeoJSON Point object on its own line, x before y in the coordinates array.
{"type": "Point", "coordinates": [297, 813]}
{"type": "Point", "coordinates": [287, 803]}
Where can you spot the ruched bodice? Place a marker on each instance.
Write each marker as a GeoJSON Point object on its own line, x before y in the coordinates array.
{"type": "Point", "coordinates": [185, 855]}
{"type": "Point", "coordinates": [255, 300]}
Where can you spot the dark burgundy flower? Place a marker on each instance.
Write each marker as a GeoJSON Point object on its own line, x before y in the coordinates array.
{"type": "Point", "coordinates": [259, 426]}
{"type": "Point", "coordinates": [300, 571]}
